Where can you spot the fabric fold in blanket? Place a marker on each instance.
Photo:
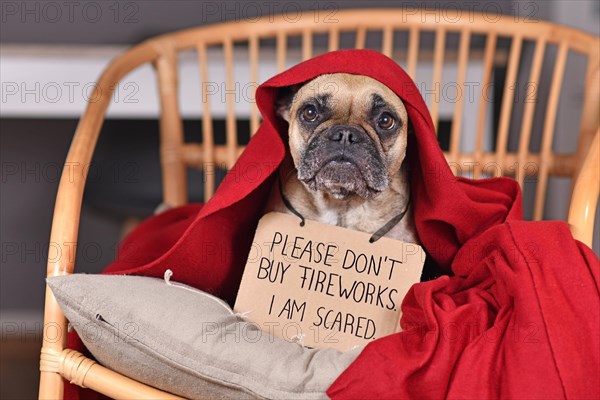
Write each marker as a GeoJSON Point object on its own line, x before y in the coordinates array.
{"type": "Point", "coordinates": [516, 316]}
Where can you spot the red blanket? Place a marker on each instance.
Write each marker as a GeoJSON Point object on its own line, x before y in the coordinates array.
{"type": "Point", "coordinates": [517, 316]}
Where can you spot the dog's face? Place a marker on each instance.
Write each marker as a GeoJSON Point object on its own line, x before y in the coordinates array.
{"type": "Point", "coordinates": [347, 134]}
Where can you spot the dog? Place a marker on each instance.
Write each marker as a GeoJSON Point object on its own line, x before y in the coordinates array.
{"type": "Point", "coordinates": [347, 140]}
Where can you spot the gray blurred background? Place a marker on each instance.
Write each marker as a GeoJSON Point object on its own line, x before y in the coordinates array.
{"type": "Point", "coordinates": [35, 37]}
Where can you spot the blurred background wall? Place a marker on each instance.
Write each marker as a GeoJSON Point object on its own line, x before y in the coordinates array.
{"type": "Point", "coordinates": [64, 46]}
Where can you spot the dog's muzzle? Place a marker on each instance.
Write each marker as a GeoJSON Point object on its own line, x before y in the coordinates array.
{"type": "Point", "coordinates": [343, 160]}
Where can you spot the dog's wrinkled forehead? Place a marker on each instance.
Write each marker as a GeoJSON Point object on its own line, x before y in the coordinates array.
{"type": "Point", "coordinates": [344, 93]}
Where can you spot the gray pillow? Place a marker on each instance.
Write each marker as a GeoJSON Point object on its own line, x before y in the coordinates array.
{"type": "Point", "coordinates": [189, 343]}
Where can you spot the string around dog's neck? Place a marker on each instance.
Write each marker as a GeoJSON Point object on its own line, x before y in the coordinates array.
{"type": "Point", "coordinates": [374, 237]}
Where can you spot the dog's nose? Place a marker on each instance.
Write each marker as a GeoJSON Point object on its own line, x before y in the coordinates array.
{"type": "Point", "coordinates": [345, 134]}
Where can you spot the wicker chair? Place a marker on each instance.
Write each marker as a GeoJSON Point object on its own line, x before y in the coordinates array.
{"type": "Point", "coordinates": [386, 27]}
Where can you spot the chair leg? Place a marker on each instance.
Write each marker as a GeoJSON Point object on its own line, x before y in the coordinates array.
{"type": "Point", "coordinates": [51, 386]}
{"type": "Point", "coordinates": [54, 340]}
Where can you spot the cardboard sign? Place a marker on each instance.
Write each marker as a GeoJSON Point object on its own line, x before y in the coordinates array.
{"type": "Point", "coordinates": [323, 285]}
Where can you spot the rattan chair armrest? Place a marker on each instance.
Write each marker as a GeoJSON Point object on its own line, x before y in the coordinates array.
{"type": "Point", "coordinates": [67, 209]}
{"type": "Point", "coordinates": [82, 371]}
{"type": "Point", "coordinates": [584, 200]}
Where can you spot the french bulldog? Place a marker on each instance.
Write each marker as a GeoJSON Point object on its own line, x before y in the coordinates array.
{"type": "Point", "coordinates": [345, 165]}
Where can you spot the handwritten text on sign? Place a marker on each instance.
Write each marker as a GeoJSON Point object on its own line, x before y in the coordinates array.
{"type": "Point", "coordinates": [324, 285]}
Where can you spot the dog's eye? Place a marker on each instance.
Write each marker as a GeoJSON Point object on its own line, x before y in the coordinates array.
{"type": "Point", "coordinates": [386, 121]}
{"type": "Point", "coordinates": [309, 113]}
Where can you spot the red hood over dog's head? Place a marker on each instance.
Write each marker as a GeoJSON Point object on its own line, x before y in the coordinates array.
{"type": "Point", "coordinates": [448, 210]}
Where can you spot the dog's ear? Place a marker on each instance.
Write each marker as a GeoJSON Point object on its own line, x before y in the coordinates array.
{"type": "Point", "coordinates": [283, 103]}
